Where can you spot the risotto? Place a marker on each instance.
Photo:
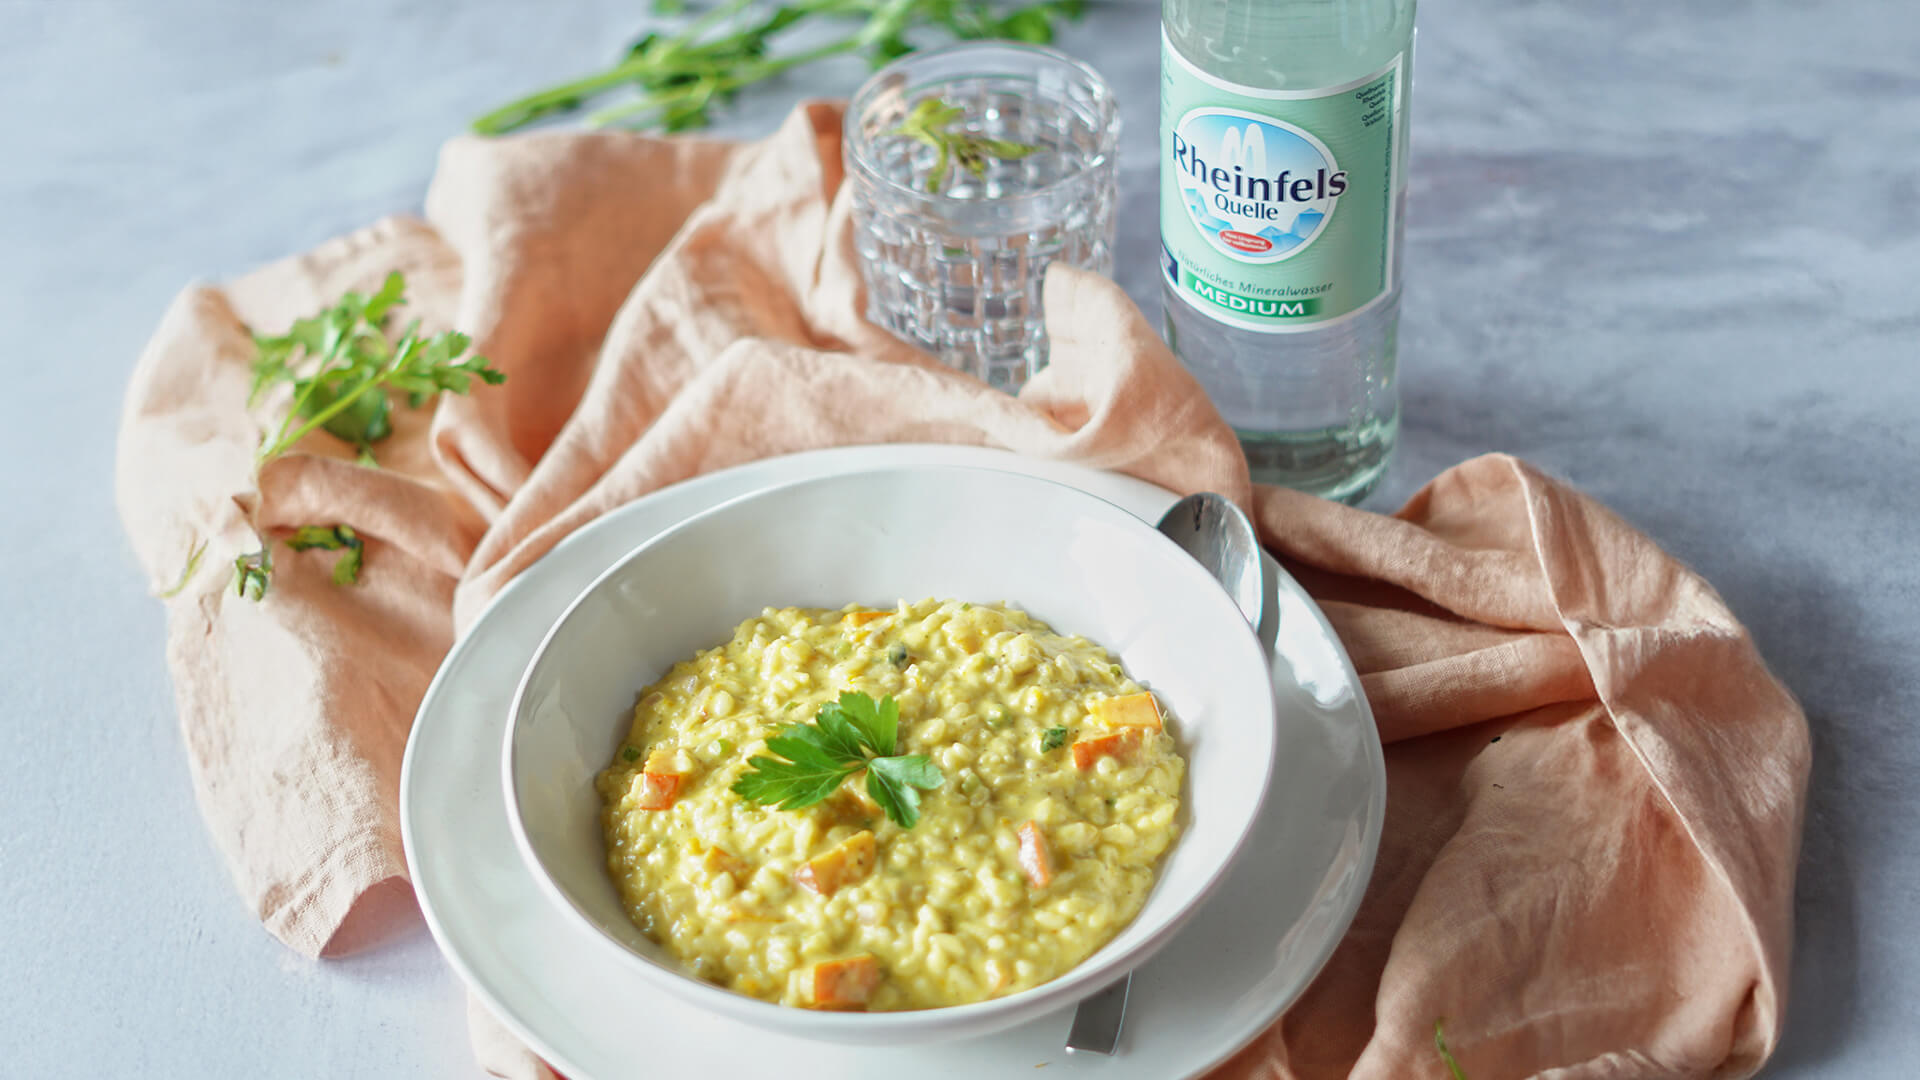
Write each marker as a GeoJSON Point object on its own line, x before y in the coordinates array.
{"type": "Point", "coordinates": [1048, 784]}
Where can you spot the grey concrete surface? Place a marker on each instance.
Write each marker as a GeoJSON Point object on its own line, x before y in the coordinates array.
{"type": "Point", "coordinates": [1669, 251]}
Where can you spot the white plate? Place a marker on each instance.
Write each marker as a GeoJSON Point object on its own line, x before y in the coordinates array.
{"type": "Point", "coordinates": [1249, 952]}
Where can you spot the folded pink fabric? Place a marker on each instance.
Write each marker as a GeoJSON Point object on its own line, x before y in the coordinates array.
{"type": "Point", "coordinates": [1595, 787]}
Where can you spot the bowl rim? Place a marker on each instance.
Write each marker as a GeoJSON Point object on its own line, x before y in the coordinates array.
{"type": "Point", "coordinates": [1069, 987]}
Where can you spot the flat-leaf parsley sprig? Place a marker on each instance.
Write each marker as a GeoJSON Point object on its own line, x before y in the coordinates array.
{"type": "Point", "coordinates": [845, 737]}
{"type": "Point", "coordinates": [679, 76]}
{"type": "Point", "coordinates": [342, 369]}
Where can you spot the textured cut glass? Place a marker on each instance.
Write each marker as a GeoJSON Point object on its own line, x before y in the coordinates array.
{"type": "Point", "coordinates": [958, 272]}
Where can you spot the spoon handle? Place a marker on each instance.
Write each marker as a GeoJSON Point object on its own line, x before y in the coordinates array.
{"type": "Point", "coordinates": [1096, 1023]}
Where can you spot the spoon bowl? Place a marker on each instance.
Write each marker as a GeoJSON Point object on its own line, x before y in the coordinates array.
{"type": "Point", "coordinates": [1219, 537]}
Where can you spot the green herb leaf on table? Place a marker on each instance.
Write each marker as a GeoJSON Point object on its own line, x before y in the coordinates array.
{"type": "Point", "coordinates": [726, 46]}
{"type": "Point", "coordinates": [341, 369]}
{"type": "Point", "coordinates": [853, 734]}
{"type": "Point", "coordinates": [1032, 25]}
{"type": "Point", "coordinates": [362, 419]}
{"type": "Point", "coordinates": [250, 572]}
{"type": "Point", "coordinates": [342, 538]}
{"type": "Point", "coordinates": [346, 569]}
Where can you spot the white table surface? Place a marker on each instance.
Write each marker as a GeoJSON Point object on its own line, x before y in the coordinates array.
{"type": "Point", "coordinates": [1670, 251]}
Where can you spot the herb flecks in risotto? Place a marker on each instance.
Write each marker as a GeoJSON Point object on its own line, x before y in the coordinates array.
{"type": "Point", "coordinates": [904, 809]}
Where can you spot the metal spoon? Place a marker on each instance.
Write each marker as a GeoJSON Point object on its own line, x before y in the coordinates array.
{"type": "Point", "coordinates": [1220, 538]}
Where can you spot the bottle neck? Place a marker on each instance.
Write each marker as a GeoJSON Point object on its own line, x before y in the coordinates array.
{"type": "Point", "coordinates": [1289, 44]}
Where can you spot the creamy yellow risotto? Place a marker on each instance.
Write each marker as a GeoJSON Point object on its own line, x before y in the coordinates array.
{"type": "Point", "coordinates": [904, 809]}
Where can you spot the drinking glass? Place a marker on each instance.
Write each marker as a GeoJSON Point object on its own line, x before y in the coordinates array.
{"type": "Point", "coordinates": [957, 270]}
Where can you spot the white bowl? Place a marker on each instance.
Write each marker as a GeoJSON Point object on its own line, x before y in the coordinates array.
{"type": "Point", "coordinates": [1077, 562]}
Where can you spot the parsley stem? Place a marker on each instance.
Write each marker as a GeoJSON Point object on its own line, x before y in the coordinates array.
{"type": "Point", "coordinates": [280, 441]}
{"type": "Point", "coordinates": [707, 19]}
{"type": "Point", "coordinates": [887, 22]}
{"type": "Point", "coordinates": [680, 72]}
{"type": "Point", "coordinates": [708, 88]}
{"type": "Point", "coordinates": [656, 100]}
{"type": "Point", "coordinates": [345, 344]}
{"type": "Point", "coordinates": [774, 67]}
{"type": "Point", "coordinates": [525, 110]}
{"type": "Point", "coordinates": [517, 113]}
{"type": "Point", "coordinates": [186, 574]}
{"type": "Point", "coordinates": [319, 419]}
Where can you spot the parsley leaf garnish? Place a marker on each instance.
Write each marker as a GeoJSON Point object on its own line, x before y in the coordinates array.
{"type": "Point", "coordinates": [790, 785]}
{"type": "Point", "coordinates": [846, 736]}
{"type": "Point", "coordinates": [895, 783]}
{"type": "Point", "coordinates": [877, 724]}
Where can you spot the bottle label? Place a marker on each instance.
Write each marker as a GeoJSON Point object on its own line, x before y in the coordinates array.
{"type": "Point", "coordinates": [1277, 207]}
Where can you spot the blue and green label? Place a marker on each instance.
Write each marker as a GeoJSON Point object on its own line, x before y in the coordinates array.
{"type": "Point", "coordinates": [1277, 206]}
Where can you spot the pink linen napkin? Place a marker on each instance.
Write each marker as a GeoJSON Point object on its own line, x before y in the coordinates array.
{"type": "Point", "coordinates": [1595, 786]}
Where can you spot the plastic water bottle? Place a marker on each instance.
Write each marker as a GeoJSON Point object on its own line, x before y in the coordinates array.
{"type": "Point", "coordinates": [1283, 135]}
